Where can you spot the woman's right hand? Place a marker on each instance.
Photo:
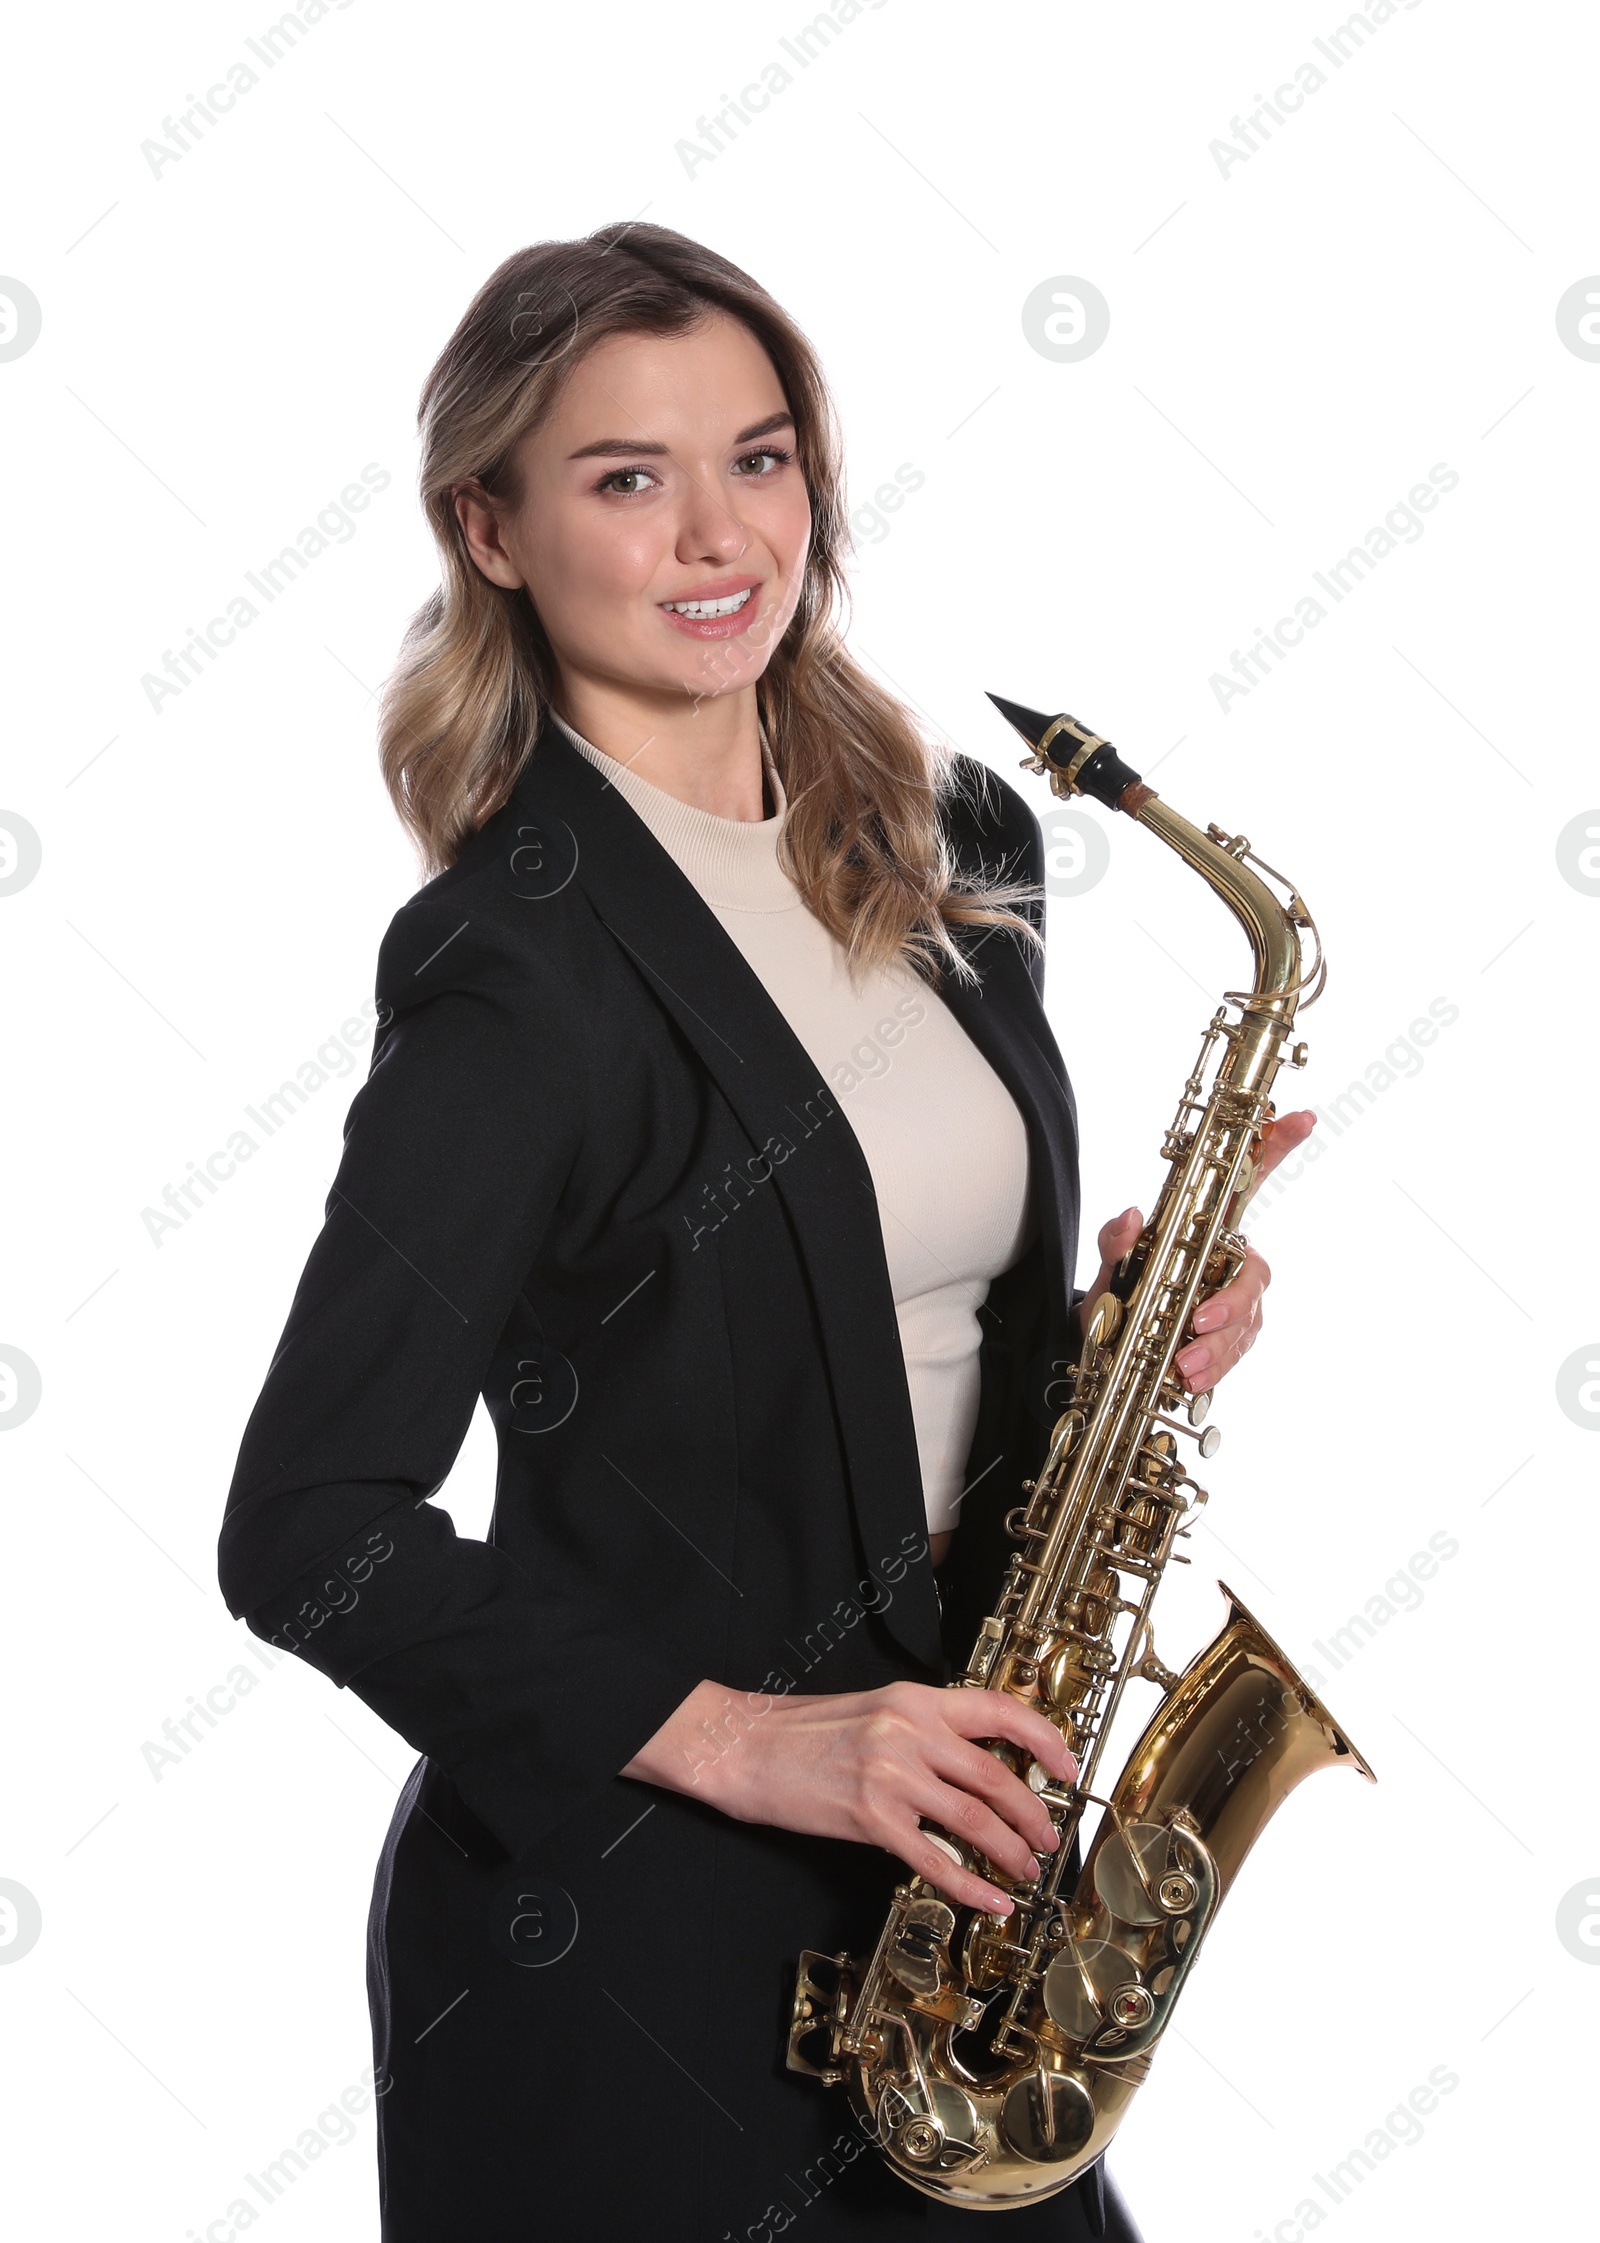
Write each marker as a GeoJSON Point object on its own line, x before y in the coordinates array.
{"type": "Point", "coordinates": [868, 1765]}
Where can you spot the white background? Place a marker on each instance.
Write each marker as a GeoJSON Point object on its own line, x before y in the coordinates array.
{"type": "Point", "coordinates": [1294, 342]}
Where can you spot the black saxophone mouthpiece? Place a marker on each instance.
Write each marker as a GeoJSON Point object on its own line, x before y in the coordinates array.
{"type": "Point", "coordinates": [1079, 761]}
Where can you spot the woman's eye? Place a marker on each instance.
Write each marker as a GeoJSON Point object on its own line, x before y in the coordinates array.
{"type": "Point", "coordinates": [626, 481]}
{"type": "Point", "coordinates": [773, 456]}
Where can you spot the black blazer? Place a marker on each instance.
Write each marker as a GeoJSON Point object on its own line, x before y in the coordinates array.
{"type": "Point", "coordinates": [594, 1176]}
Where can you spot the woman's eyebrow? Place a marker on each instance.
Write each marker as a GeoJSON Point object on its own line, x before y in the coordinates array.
{"type": "Point", "coordinates": [765, 428]}
{"type": "Point", "coordinates": [616, 447]}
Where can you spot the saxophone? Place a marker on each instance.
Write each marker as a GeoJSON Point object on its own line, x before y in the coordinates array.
{"type": "Point", "coordinates": [992, 2058]}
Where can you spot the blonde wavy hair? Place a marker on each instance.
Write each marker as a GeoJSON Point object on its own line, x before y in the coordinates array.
{"type": "Point", "coordinates": [463, 706]}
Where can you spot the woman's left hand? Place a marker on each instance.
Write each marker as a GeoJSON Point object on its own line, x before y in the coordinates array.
{"type": "Point", "coordinates": [1230, 1320]}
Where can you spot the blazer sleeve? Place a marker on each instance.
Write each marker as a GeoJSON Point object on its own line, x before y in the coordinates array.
{"type": "Point", "coordinates": [456, 1149]}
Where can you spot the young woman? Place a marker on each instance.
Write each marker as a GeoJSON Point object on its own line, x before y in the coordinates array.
{"type": "Point", "coordinates": [715, 1134]}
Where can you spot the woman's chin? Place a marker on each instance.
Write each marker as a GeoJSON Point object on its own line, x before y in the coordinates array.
{"type": "Point", "coordinates": [708, 675]}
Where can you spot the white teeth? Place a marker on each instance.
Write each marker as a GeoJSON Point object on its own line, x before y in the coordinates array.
{"type": "Point", "coordinates": [701, 610]}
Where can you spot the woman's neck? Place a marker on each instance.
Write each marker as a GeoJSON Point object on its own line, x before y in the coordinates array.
{"type": "Point", "coordinates": [707, 752]}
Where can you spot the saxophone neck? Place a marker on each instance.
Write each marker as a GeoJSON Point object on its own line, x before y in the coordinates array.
{"type": "Point", "coordinates": [1078, 761]}
{"type": "Point", "coordinates": [1272, 923]}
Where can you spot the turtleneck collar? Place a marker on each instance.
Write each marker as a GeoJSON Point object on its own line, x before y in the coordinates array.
{"type": "Point", "coordinates": [732, 861]}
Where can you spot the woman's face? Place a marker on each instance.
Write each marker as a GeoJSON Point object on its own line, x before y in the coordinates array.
{"type": "Point", "coordinates": [663, 486]}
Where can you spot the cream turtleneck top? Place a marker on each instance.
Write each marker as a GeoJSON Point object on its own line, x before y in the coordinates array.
{"type": "Point", "coordinates": [943, 1140]}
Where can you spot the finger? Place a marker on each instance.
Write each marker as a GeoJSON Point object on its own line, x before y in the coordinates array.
{"type": "Point", "coordinates": [1116, 1237]}
{"type": "Point", "coordinates": [977, 1825]}
{"type": "Point", "coordinates": [985, 1774]}
{"type": "Point", "coordinates": [917, 1850]}
{"type": "Point", "coordinates": [1280, 1137]}
{"type": "Point", "coordinates": [1203, 1362]}
{"type": "Point", "coordinates": [968, 1767]}
{"type": "Point", "coordinates": [1238, 1301]}
{"type": "Point", "coordinates": [948, 1752]}
{"type": "Point", "coordinates": [1224, 1319]}
{"type": "Point", "coordinates": [995, 1713]}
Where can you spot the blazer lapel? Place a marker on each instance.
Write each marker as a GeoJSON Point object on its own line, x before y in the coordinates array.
{"type": "Point", "coordinates": [700, 976]}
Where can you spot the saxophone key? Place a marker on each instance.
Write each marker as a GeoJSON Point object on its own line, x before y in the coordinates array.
{"type": "Point", "coordinates": [1085, 1985]}
{"type": "Point", "coordinates": [1048, 2116]}
{"type": "Point", "coordinates": [919, 1951]}
{"type": "Point", "coordinates": [933, 2126]}
{"type": "Point", "coordinates": [1142, 1876]}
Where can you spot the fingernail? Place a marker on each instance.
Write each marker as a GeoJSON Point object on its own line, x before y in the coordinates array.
{"type": "Point", "coordinates": [999, 1905]}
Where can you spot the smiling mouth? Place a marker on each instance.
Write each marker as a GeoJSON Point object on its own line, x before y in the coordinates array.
{"type": "Point", "coordinates": [705, 611]}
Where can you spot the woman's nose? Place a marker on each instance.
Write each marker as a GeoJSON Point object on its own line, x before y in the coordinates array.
{"type": "Point", "coordinates": [709, 528]}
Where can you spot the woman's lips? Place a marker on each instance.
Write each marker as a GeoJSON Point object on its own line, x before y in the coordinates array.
{"type": "Point", "coordinates": [729, 626]}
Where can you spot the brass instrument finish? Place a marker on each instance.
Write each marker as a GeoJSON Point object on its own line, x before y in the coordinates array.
{"type": "Point", "coordinates": [993, 2057]}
